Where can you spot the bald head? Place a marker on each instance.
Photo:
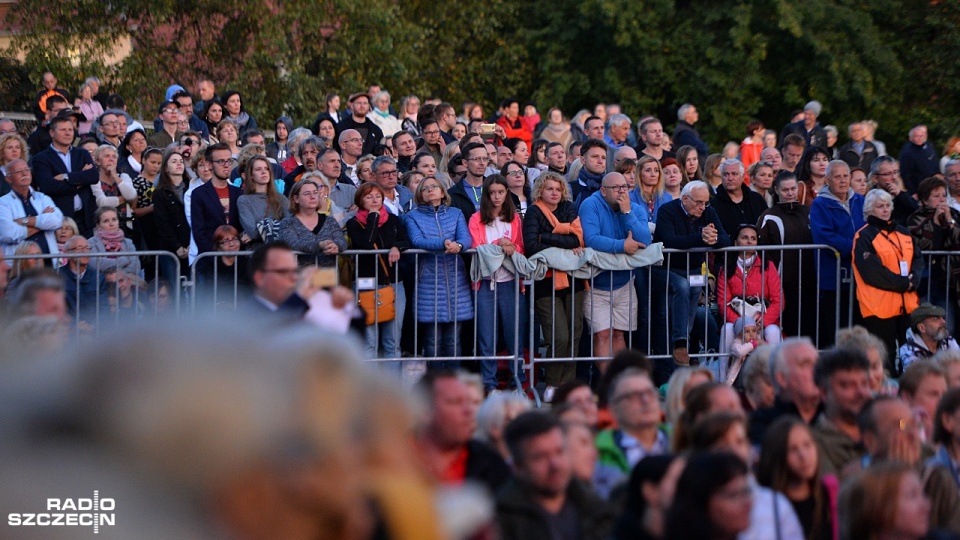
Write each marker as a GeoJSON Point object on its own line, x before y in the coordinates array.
{"type": "Point", "coordinates": [351, 144]}
{"type": "Point", "coordinates": [614, 185]}
{"type": "Point", "coordinates": [623, 153]}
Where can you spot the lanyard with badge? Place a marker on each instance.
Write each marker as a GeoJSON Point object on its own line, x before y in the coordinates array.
{"type": "Point", "coordinates": [904, 266]}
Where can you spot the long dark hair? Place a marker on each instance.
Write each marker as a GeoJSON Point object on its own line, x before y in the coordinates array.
{"type": "Point", "coordinates": [702, 478]}
{"type": "Point", "coordinates": [650, 470]}
{"type": "Point", "coordinates": [507, 211]}
{"type": "Point", "coordinates": [774, 472]}
{"type": "Point", "coordinates": [803, 168]}
{"type": "Point", "coordinates": [163, 178]}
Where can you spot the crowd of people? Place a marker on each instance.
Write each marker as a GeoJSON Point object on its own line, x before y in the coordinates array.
{"type": "Point", "coordinates": [739, 428]}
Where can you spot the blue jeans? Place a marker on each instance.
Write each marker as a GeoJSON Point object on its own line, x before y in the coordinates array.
{"type": "Point", "coordinates": [671, 288]}
{"type": "Point", "coordinates": [497, 305]}
{"type": "Point", "coordinates": [442, 339]}
{"type": "Point", "coordinates": [387, 334]}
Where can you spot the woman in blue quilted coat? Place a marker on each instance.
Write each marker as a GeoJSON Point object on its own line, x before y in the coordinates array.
{"type": "Point", "coordinates": [444, 299]}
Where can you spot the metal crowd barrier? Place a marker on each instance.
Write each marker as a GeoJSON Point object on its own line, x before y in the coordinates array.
{"type": "Point", "coordinates": [103, 299]}
{"type": "Point", "coordinates": [529, 348]}
{"type": "Point", "coordinates": [223, 288]}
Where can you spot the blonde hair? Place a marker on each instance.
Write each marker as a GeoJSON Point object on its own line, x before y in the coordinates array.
{"type": "Point", "coordinates": [24, 149]}
{"type": "Point", "coordinates": [661, 184]}
{"type": "Point", "coordinates": [540, 183]}
{"type": "Point", "coordinates": [418, 196]}
{"type": "Point", "coordinates": [101, 150]}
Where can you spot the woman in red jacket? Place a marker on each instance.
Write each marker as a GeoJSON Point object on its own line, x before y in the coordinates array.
{"type": "Point", "coordinates": [754, 281]}
{"type": "Point", "coordinates": [515, 125]}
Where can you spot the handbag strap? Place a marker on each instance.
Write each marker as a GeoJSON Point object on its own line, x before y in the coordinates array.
{"type": "Point", "coordinates": [383, 264]}
{"type": "Point", "coordinates": [379, 257]}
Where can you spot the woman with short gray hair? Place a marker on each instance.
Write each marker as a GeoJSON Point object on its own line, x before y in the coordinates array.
{"type": "Point", "coordinates": [887, 268]}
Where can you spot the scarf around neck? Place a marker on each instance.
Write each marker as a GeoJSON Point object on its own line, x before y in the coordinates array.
{"type": "Point", "coordinates": [112, 241]}
{"type": "Point", "coordinates": [561, 279]}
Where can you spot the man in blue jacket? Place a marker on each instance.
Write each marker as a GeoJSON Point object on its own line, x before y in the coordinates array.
{"type": "Point", "coordinates": [610, 226]}
{"type": "Point", "coordinates": [688, 223]}
{"type": "Point", "coordinates": [835, 217]}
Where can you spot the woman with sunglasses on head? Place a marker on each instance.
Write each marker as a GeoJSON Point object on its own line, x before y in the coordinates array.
{"type": "Point", "coordinates": [316, 235]}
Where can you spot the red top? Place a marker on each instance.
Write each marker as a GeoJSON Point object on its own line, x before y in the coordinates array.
{"type": "Point", "coordinates": [456, 473]}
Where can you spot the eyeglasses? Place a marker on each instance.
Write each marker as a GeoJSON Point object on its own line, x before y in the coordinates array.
{"type": "Point", "coordinates": [285, 272]}
{"type": "Point", "coordinates": [222, 162]}
{"type": "Point", "coordinates": [889, 173]}
{"type": "Point", "coordinates": [432, 133]}
{"type": "Point", "coordinates": [520, 173]}
{"type": "Point", "coordinates": [389, 173]}
{"type": "Point", "coordinates": [430, 188]}
{"type": "Point", "coordinates": [638, 395]}
{"type": "Point", "coordinates": [622, 187]}
{"type": "Point", "coordinates": [695, 202]}
{"type": "Point", "coordinates": [309, 193]}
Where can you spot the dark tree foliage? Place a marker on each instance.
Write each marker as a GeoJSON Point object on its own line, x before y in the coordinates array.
{"type": "Point", "coordinates": [735, 59]}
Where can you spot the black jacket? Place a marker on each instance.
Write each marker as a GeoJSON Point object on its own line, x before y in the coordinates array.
{"type": "Point", "coordinates": [732, 214]}
{"type": "Point", "coordinates": [460, 200]}
{"type": "Point", "coordinates": [864, 160]}
{"type": "Point", "coordinates": [47, 164]}
{"type": "Point", "coordinates": [761, 420]}
{"type": "Point", "coordinates": [392, 234]}
{"type": "Point", "coordinates": [520, 518]}
{"type": "Point", "coordinates": [171, 220]}
{"type": "Point", "coordinates": [815, 137]}
{"type": "Point", "coordinates": [485, 465]}
{"type": "Point", "coordinates": [917, 163]}
{"type": "Point", "coordinates": [538, 235]}
{"type": "Point", "coordinates": [371, 133]}
{"type": "Point", "coordinates": [678, 231]}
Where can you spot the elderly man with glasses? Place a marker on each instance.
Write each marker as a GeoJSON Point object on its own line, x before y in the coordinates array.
{"type": "Point", "coordinates": [688, 223]}
{"type": "Point", "coordinates": [26, 214]}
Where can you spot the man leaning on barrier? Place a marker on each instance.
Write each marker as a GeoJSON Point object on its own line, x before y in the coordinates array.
{"type": "Point", "coordinates": [688, 223]}
{"type": "Point", "coordinates": [609, 226]}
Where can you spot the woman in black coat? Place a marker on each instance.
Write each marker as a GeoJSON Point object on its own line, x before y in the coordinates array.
{"type": "Point", "coordinates": [376, 228]}
{"type": "Point", "coordinates": [170, 217]}
{"type": "Point", "coordinates": [551, 221]}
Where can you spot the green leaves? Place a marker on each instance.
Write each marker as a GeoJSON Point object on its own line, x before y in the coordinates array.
{"type": "Point", "coordinates": [735, 59]}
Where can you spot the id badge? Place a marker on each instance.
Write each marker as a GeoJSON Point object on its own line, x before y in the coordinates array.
{"type": "Point", "coordinates": [697, 280]}
{"type": "Point", "coordinates": [904, 269]}
{"type": "Point", "coordinates": [366, 284]}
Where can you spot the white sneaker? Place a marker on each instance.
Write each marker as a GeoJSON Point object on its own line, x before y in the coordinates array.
{"type": "Point", "coordinates": [548, 394]}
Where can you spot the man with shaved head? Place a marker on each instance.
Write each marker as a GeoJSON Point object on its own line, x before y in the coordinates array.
{"type": "Point", "coordinates": [351, 148]}
{"type": "Point", "coordinates": [610, 226]}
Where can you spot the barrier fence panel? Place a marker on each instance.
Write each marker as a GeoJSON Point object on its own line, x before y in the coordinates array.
{"type": "Point", "coordinates": [101, 296]}
{"type": "Point", "coordinates": [530, 323]}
